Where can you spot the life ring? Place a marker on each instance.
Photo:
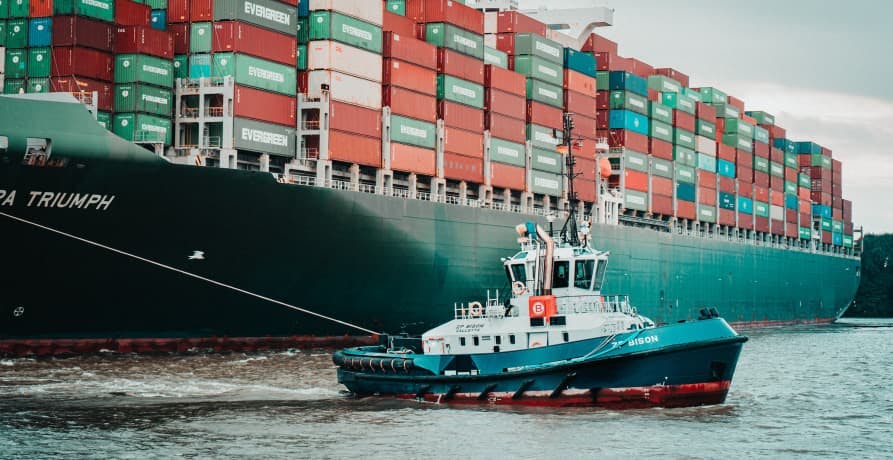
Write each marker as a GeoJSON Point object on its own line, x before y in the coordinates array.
{"type": "Point", "coordinates": [475, 309]}
{"type": "Point", "coordinates": [518, 287]}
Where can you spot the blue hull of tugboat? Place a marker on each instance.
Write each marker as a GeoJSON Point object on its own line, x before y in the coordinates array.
{"type": "Point", "coordinates": [684, 364]}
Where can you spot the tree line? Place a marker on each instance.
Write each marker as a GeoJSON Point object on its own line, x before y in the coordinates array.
{"type": "Point", "coordinates": [874, 299]}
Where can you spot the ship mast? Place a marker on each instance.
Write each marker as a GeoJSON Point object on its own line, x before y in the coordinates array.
{"type": "Point", "coordinates": [569, 230]}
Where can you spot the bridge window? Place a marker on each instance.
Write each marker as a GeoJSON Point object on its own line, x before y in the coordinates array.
{"type": "Point", "coordinates": [461, 341]}
{"type": "Point", "coordinates": [476, 340]}
{"type": "Point", "coordinates": [519, 273]}
{"type": "Point", "coordinates": [583, 271]}
{"type": "Point", "coordinates": [497, 339]}
{"type": "Point", "coordinates": [561, 274]}
{"type": "Point", "coordinates": [565, 336]}
{"type": "Point", "coordinates": [512, 339]}
{"type": "Point", "coordinates": [600, 275]}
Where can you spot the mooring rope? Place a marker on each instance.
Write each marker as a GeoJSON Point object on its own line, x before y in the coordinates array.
{"type": "Point", "coordinates": [193, 275]}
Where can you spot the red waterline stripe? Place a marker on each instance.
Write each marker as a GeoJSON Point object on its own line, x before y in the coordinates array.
{"type": "Point", "coordinates": [779, 323]}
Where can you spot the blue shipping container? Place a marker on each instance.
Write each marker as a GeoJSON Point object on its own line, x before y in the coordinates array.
{"type": "Point", "coordinates": [706, 162]}
{"type": "Point", "coordinates": [727, 201]}
{"type": "Point", "coordinates": [159, 19]}
{"type": "Point", "coordinates": [685, 191]}
{"type": "Point", "coordinates": [579, 61]}
{"type": "Point", "coordinates": [745, 205]}
{"type": "Point", "coordinates": [200, 66]}
{"type": "Point", "coordinates": [821, 210]}
{"type": "Point", "coordinates": [624, 119]}
{"type": "Point", "coordinates": [725, 168]}
{"type": "Point", "coordinates": [629, 82]}
{"type": "Point", "coordinates": [809, 147]}
{"type": "Point", "coordinates": [303, 8]}
{"type": "Point", "coordinates": [791, 201]}
{"type": "Point", "coordinates": [837, 239]}
{"type": "Point", "coordinates": [40, 32]}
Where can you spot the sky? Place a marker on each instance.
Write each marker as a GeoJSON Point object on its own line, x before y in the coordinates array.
{"type": "Point", "coordinates": [824, 69]}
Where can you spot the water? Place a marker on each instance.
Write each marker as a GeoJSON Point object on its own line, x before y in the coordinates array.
{"type": "Point", "coordinates": [822, 391]}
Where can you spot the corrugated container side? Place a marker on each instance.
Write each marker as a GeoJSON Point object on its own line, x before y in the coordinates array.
{"type": "Point", "coordinates": [407, 48]}
{"type": "Point", "coordinates": [178, 10]}
{"type": "Point", "coordinates": [354, 119]}
{"type": "Point", "coordinates": [130, 97]}
{"type": "Point", "coordinates": [544, 115]}
{"type": "Point", "coordinates": [345, 88]}
{"type": "Point", "coordinates": [461, 167]}
{"type": "Point", "coordinates": [396, 23]}
{"type": "Point", "coordinates": [256, 136]}
{"type": "Point", "coordinates": [450, 11]}
{"type": "Point", "coordinates": [504, 103]}
{"type": "Point", "coordinates": [142, 127]}
{"type": "Point", "coordinates": [461, 91]}
{"type": "Point", "coordinates": [460, 65]}
{"type": "Point", "coordinates": [17, 33]}
{"type": "Point", "coordinates": [325, 25]}
{"type": "Point", "coordinates": [397, 7]}
{"type": "Point", "coordinates": [264, 106]}
{"type": "Point", "coordinates": [130, 13]}
{"type": "Point", "coordinates": [580, 83]}
{"type": "Point", "coordinates": [580, 104]}
{"type": "Point", "coordinates": [353, 148]}
{"type": "Point", "coordinates": [38, 8]}
{"type": "Point", "coordinates": [258, 73]}
{"type": "Point", "coordinates": [517, 22]}
{"type": "Point", "coordinates": [409, 158]}
{"type": "Point", "coordinates": [77, 84]}
{"type": "Point", "coordinates": [410, 103]}
{"type": "Point", "coordinates": [264, 13]}
{"type": "Point", "coordinates": [458, 115]}
{"type": "Point", "coordinates": [130, 68]}
{"type": "Point", "coordinates": [38, 62]}
{"type": "Point", "coordinates": [506, 152]}
{"type": "Point", "coordinates": [40, 32]}
{"type": "Point", "coordinates": [455, 38]}
{"type": "Point", "coordinates": [356, 8]}
{"type": "Point", "coordinates": [331, 55]}
{"type": "Point", "coordinates": [507, 176]}
{"type": "Point", "coordinates": [409, 76]}
{"type": "Point", "coordinates": [99, 9]}
{"type": "Point", "coordinates": [530, 44]}
{"type": "Point", "coordinates": [256, 41]}
{"type": "Point", "coordinates": [505, 80]}
{"type": "Point", "coordinates": [69, 61]}
{"type": "Point", "coordinates": [144, 40]}
{"type": "Point", "coordinates": [180, 35]}
{"type": "Point", "coordinates": [506, 127]}
{"type": "Point", "coordinates": [462, 142]}
{"type": "Point", "coordinates": [158, 19]}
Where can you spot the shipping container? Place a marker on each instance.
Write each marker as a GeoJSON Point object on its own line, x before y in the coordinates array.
{"type": "Point", "coordinates": [178, 11]}
{"type": "Point", "coordinates": [504, 103]}
{"type": "Point", "coordinates": [326, 25]}
{"type": "Point", "coordinates": [17, 8]}
{"type": "Point", "coordinates": [461, 91]}
{"type": "Point", "coordinates": [265, 106]}
{"type": "Point", "coordinates": [408, 49]}
{"type": "Point", "coordinates": [69, 61]}
{"type": "Point", "coordinates": [38, 85]}
{"type": "Point", "coordinates": [410, 103]}
{"type": "Point", "coordinates": [99, 9]}
{"type": "Point", "coordinates": [626, 81]}
{"type": "Point", "coordinates": [268, 14]}
{"type": "Point", "coordinates": [412, 159]}
{"type": "Point", "coordinates": [546, 93]}
{"type": "Point", "coordinates": [547, 160]}
{"type": "Point", "coordinates": [40, 32]}
{"type": "Point", "coordinates": [545, 115]}
{"type": "Point", "coordinates": [664, 84]}
{"type": "Point", "coordinates": [462, 142]}
{"type": "Point", "coordinates": [626, 138]}
{"type": "Point", "coordinates": [134, 68]}
{"type": "Point", "coordinates": [446, 11]}
{"type": "Point", "coordinates": [518, 22]}
{"type": "Point", "coordinates": [158, 20]}
{"type": "Point", "coordinates": [103, 89]}
{"type": "Point", "coordinates": [229, 36]}
{"type": "Point", "coordinates": [38, 62]}
{"type": "Point", "coordinates": [139, 127]}
{"type": "Point", "coordinates": [413, 132]}
{"type": "Point", "coordinates": [461, 116]}
{"type": "Point", "coordinates": [627, 100]}
{"type": "Point", "coordinates": [631, 121]}
{"type": "Point", "coordinates": [17, 33]}
{"type": "Point", "coordinates": [544, 137]}
{"type": "Point", "coordinates": [144, 40]}
{"type": "Point", "coordinates": [256, 136]}
{"type": "Point", "coordinates": [461, 167]}
{"type": "Point", "coordinates": [201, 38]}
{"type": "Point", "coordinates": [507, 176]}
{"type": "Point", "coordinates": [449, 36]}
{"type": "Point", "coordinates": [396, 7]}
{"type": "Point", "coordinates": [181, 36]}
{"type": "Point", "coordinates": [358, 9]}
{"type": "Point", "coordinates": [495, 57]}
{"type": "Point", "coordinates": [409, 76]}
{"type": "Point", "coordinates": [546, 183]}
{"type": "Point", "coordinates": [402, 25]}
{"type": "Point", "coordinates": [530, 44]}
{"type": "Point", "coordinates": [258, 73]}
{"type": "Point", "coordinates": [459, 65]}
{"type": "Point", "coordinates": [512, 153]}
{"type": "Point", "coordinates": [538, 68]}
{"type": "Point", "coordinates": [505, 80]}
{"type": "Point", "coordinates": [36, 8]}
{"type": "Point", "coordinates": [133, 97]}
{"type": "Point", "coordinates": [331, 55]}
{"type": "Point", "coordinates": [200, 66]}
{"type": "Point", "coordinates": [131, 13]}
{"type": "Point", "coordinates": [506, 127]}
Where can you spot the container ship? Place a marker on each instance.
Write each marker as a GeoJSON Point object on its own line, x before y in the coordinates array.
{"type": "Point", "coordinates": [253, 174]}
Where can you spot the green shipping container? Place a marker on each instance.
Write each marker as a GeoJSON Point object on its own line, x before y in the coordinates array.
{"type": "Point", "coordinates": [726, 111]}
{"type": "Point", "coordinates": [181, 66]}
{"type": "Point", "coordinates": [776, 169]}
{"type": "Point", "coordinates": [545, 93]}
{"type": "Point", "coordinates": [502, 151]}
{"type": "Point", "coordinates": [2, 31]}
{"type": "Point", "coordinates": [104, 119]}
{"type": "Point", "coordinates": [302, 57]}
{"type": "Point", "coordinates": [705, 128]}
{"type": "Point", "coordinates": [17, 33]}
{"type": "Point", "coordinates": [685, 174]}
{"type": "Point", "coordinates": [826, 224]}
{"type": "Point", "coordinates": [685, 156]}
{"type": "Point", "coordinates": [763, 118]}
{"type": "Point", "coordinates": [130, 97]}
{"type": "Point", "coordinates": [540, 69]}
{"type": "Point", "coordinates": [140, 68]}
{"type": "Point", "coordinates": [200, 37]}
{"type": "Point", "coordinates": [664, 84]}
{"type": "Point", "coordinates": [837, 226]}
{"type": "Point", "coordinates": [691, 93]}
{"type": "Point", "coordinates": [707, 213]}
{"type": "Point", "coordinates": [602, 80]}
{"type": "Point", "coordinates": [761, 135]}
{"type": "Point", "coordinates": [679, 102]}
{"type": "Point", "coordinates": [636, 161]}
{"type": "Point", "coordinates": [546, 183]}
{"type": "Point", "coordinates": [634, 199]}
{"type": "Point", "coordinates": [790, 187]}
{"type": "Point", "coordinates": [660, 112]}
{"type": "Point", "coordinates": [304, 30]}
{"type": "Point", "coordinates": [14, 86]}
{"type": "Point", "coordinates": [454, 38]}
{"type": "Point", "coordinates": [739, 127]}
{"type": "Point", "coordinates": [138, 127]}
{"type": "Point", "coordinates": [38, 85]}
{"type": "Point", "coordinates": [461, 91]}
{"type": "Point", "coordinates": [803, 180]}
{"type": "Point", "coordinates": [738, 141]}
{"type": "Point", "coordinates": [537, 45]}
{"type": "Point", "coordinates": [257, 73]}
{"type": "Point", "coordinates": [17, 8]}
{"type": "Point", "coordinates": [684, 138]}
{"type": "Point", "coordinates": [543, 137]}
{"type": "Point", "coordinates": [155, 4]}
{"type": "Point", "coordinates": [413, 132]}
{"type": "Point", "coordinates": [269, 14]}
{"type": "Point", "coordinates": [661, 130]}
{"type": "Point", "coordinates": [760, 208]}
{"type": "Point", "coordinates": [261, 137]}
{"type": "Point", "coordinates": [327, 25]}
{"type": "Point", "coordinates": [99, 9]}
{"type": "Point", "coordinates": [805, 233]}
{"type": "Point", "coordinates": [496, 57]}
{"type": "Point", "coordinates": [761, 164]}
{"type": "Point", "coordinates": [627, 100]}
{"type": "Point", "coordinates": [662, 168]}
{"type": "Point", "coordinates": [713, 96]}
{"type": "Point", "coordinates": [847, 241]}
{"type": "Point", "coordinates": [396, 7]}
{"type": "Point", "coordinates": [16, 64]}
{"type": "Point", "coordinates": [39, 62]}
{"type": "Point", "coordinates": [791, 160]}
{"type": "Point", "coordinates": [546, 160]}
{"type": "Point", "coordinates": [816, 160]}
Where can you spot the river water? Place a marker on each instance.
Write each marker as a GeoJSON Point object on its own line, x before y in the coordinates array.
{"type": "Point", "coordinates": [817, 391]}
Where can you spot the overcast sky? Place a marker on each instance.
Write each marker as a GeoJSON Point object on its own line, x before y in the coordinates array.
{"type": "Point", "coordinates": [823, 68]}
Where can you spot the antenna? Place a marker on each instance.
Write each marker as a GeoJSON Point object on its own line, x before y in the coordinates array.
{"type": "Point", "coordinates": [569, 231]}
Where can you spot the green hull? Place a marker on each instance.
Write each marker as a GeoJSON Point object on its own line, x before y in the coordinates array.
{"type": "Point", "coordinates": [386, 263]}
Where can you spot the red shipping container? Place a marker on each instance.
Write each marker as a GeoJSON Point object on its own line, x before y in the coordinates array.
{"type": "Point", "coordinates": [504, 103]}
{"type": "Point", "coordinates": [232, 36]}
{"type": "Point", "coordinates": [761, 193]}
{"type": "Point", "coordinates": [586, 190]}
{"type": "Point", "coordinates": [83, 32]}
{"type": "Point", "coordinates": [461, 116]}
{"type": "Point", "coordinates": [144, 40]}
{"type": "Point", "coordinates": [836, 214]}
{"type": "Point", "coordinates": [603, 59]}
{"type": "Point", "coordinates": [628, 139]}
{"type": "Point", "coordinates": [603, 100]}
{"type": "Point", "coordinates": [409, 158]}
{"type": "Point", "coordinates": [544, 115]}
{"type": "Point", "coordinates": [40, 8]}
{"type": "Point", "coordinates": [585, 167]}
{"type": "Point", "coordinates": [803, 193]}
{"type": "Point", "coordinates": [743, 158]}
{"type": "Point", "coordinates": [776, 227]}
{"type": "Point", "coordinates": [602, 122]}
{"type": "Point", "coordinates": [261, 105]}
{"type": "Point", "coordinates": [706, 179]}
{"type": "Point", "coordinates": [790, 174]}
{"type": "Point", "coordinates": [760, 149]}
{"type": "Point", "coordinates": [674, 74]}
{"type": "Point", "coordinates": [402, 25]}
{"type": "Point", "coordinates": [653, 95]}
{"type": "Point", "coordinates": [353, 148]}
{"type": "Point", "coordinates": [507, 176]}
{"type": "Point", "coordinates": [705, 112]}
{"type": "Point", "coordinates": [725, 152]}
{"type": "Point", "coordinates": [641, 68]}
{"type": "Point", "coordinates": [584, 127]}
{"type": "Point", "coordinates": [461, 142]}
{"type": "Point", "coordinates": [776, 183]}
{"type": "Point", "coordinates": [584, 148]}
{"type": "Point", "coordinates": [201, 10]}
{"type": "Point", "coordinates": [776, 198]}
{"type": "Point", "coordinates": [791, 230]}
{"type": "Point", "coordinates": [505, 80]}
{"type": "Point", "coordinates": [790, 215]}
{"type": "Point", "coordinates": [761, 179]}
{"type": "Point", "coordinates": [761, 224]}
{"type": "Point", "coordinates": [745, 221]}
{"type": "Point", "coordinates": [103, 89]}
{"type": "Point", "coordinates": [826, 152]}
{"type": "Point", "coordinates": [624, 64]}
{"type": "Point", "coordinates": [84, 62]}
{"type": "Point", "coordinates": [848, 228]}
{"type": "Point", "coordinates": [635, 180]}
{"type": "Point", "coordinates": [776, 132]}
{"type": "Point", "coordinates": [580, 104]}
{"type": "Point", "coordinates": [726, 217]}
{"type": "Point", "coordinates": [459, 65]}
{"type": "Point", "coordinates": [776, 155]}
{"type": "Point", "coordinates": [683, 120]}
{"type": "Point", "coordinates": [745, 189]}
{"type": "Point", "coordinates": [130, 13]}
{"type": "Point", "coordinates": [743, 173]}
{"type": "Point", "coordinates": [707, 196]}
{"type": "Point", "coordinates": [409, 103]}
{"type": "Point", "coordinates": [597, 43]}
{"type": "Point", "coordinates": [806, 218]}
{"type": "Point", "coordinates": [748, 119]}
{"type": "Point", "coordinates": [178, 11]}
{"type": "Point", "coordinates": [580, 83]}
{"type": "Point", "coordinates": [449, 11]}
{"type": "Point", "coordinates": [506, 127]}
{"type": "Point", "coordinates": [726, 184]}
{"type": "Point", "coordinates": [355, 119]}
{"type": "Point", "coordinates": [517, 22]}
{"type": "Point", "coordinates": [461, 167]}
{"type": "Point", "coordinates": [661, 204]}
{"type": "Point", "coordinates": [827, 238]}
{"type": "Point", "coordinates": [735, 102]}
{"type": "Point", "coordinates": [406, 48]}
{"type": "Point", "coordinates": [409, 76]}
{"type": "Point", "coordinates": [685, 209]}
{"type": "Point", "coordinates": [290, 2]}
{"type": "Point", "coordinates": [662, 186]}
{"type": "Point", "coordinates": [180, 34]}
{"type": "Point", "coordinates": [660, 149]}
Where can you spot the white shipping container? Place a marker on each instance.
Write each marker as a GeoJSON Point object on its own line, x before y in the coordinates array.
{"type": "Point", "coordinates": [776, 212]}
{"type": "Point", "coordinates": [359, 9]}
{"type": "Point", "coordinates": [705, 145]}
{"type": "Point", "coordinates": [344, 88]}
{"type": "Point", "coordinates": [490, 22]}
{"type": "Point", "coordinates": [2, 60]}
{"type": "Point", "coordinates": [490, 40]}
{"type": "Point", "coordinates": [329, 55]}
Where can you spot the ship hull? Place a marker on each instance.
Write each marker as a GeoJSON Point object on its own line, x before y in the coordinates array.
{"type": "Point", "coordinates": [126, 275]}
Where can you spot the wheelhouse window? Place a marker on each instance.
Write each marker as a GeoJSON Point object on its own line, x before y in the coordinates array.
{"type": "Point", "coordinates": [583, 271]}
{"type": "Point", "coordinates": [461, 341]}
{"type": "Point", "coordinates": [519, 272]}
{"type": "Point", "coordinates": [600, 275]}
{"type": "Point", "coordinates": [561, 274]}
{"type": "Point", "coordinates": [512, 339]}
{"type": "Point", "coordinates": [476, 340]}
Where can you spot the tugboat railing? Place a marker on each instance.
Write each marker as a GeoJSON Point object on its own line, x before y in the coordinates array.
{"type": "Point", "coordinates": [569, 305]}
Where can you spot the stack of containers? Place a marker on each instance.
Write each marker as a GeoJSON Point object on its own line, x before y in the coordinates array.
{"type": "Point", "coordinates": [629, 128]}
{"type": "Point", "coordinates": [254, 43]}
{"type": "Point", "coordinates": [579, 99]}
{"type": "Point", "coordinates": [177, 22]}
{"type": "Point", "coordinates": [344, 53]}
{"type": "Point", "coordinates": [819, 167]}
{"type": "Point", "coordinates": [410, 90]}
{"type": "Point", "coordinates": [158, 15]}
{"type": "Point", "coordinates": [457, 32]}
{"type": "Point", "coordinates": [541, 61]}
{"type": "Point", "coordinates": [661, 146]}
